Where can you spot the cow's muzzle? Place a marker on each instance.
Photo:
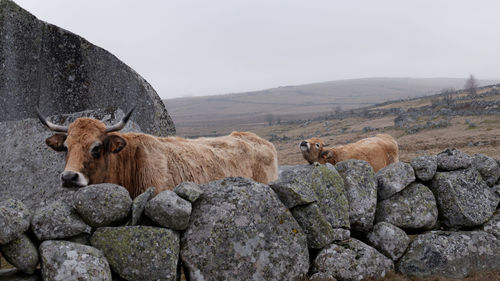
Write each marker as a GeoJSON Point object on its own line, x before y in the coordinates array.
{"type": "Point", "coordinates": [73, 179]}
{"type": "Point", "coordinates": [304, 146]}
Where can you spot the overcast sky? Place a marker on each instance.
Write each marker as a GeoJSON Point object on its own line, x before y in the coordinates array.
{"type": "Point", "coordinates": [186, 48]}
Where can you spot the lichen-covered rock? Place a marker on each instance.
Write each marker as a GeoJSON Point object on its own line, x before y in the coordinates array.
{"type": "Point", "coordinates": [62, 261]}
{"type": "Point", "coordinates": [352, 260]}
{"type": "Point", "coordinates": [189, 191]}
{"type": "Point", "coordinates": [293, 186]}
{"type": "Point", "coordinates": [321, 276]}
{"type": "Point", "coordinates": [340, 234]}
{"type": "Point", "coordinates": [139, 253]}
{"type": "Point", "coordinates": [102, 204]}
{"type": "Point", "coordinates": [413, 208]}
{"type": "Point", "coordinates": [393, 178]}
{"type": "Point", "coordinates": [425, 167]}
{"type": "Point", "coordinates": [14, 220]}
{"type": "Point", "coordinates": [493, 225]}
{"type": "Point", "coordinates": [240, 230]}
{"type": "Point", "coordinates": [21, 253]}
{"type": "Point", "coordinates": [451, 254]}
{"type": "Point", "coordinates": [361, 191]}
{"type": "Point", "coordinates": [463, 198]}
{"type": "Point", "coordinates": [57, 220]}
{"type": "Point", "coordinates": [318, 230]}
{"type": "Point", "coordinates": [139, 204]}
{"type": "Point", "coordinates": [390, 240]}
{"type": "Point", "coordinates": [453, 159]}
{"type": "Point", "coordinates": [17, 275]}
{"type": "Point", "coordinates": [496, 189]}
{"type": "Point", "coordinates": [169, 210]}
{"type": "Point", "coordinates": [487, 167]}
{"type": "Point", "coordinates": [83, 239]}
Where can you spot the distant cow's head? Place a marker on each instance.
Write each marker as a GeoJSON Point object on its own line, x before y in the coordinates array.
{"type": "Point", "coordinates": [311, 150]}
{"type": "Point", "coordinates": [88, 143]}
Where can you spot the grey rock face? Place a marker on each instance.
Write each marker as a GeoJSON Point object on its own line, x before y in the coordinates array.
{"type": "Point", "coordinates": [139, 204]}
{"type": "Point", "coordinates": [487, 167]}
{"type": "Point", "coordinates": [102, 204]}
{"type": "Point", "coordinates": [14, 220]}
{"type": "Point", "coordinates": [189, 191]}
{"type": "Point", "coordinates": [340, 234]}
{"type": "Point", "coordinates": [389, 240]}
{"type": "Point", "coordinates": [352, 260]}
{"type": "Point", "coordinates": [67, 74]}
{"type": "Point", "coordinates": [361, 191]}
{"type": "Point", "coordinates": [412, 209]}
{"type": "Point", "coordinates": [21, 253]}
{"type": "Point", "coordinates": [453, 159]}
{"type": "Point", "coordinates": [318, 230]}
{"type": "Point", "coordinates": [56, 221]}
{"type": "Point", "coordinates": [393, 178]}
{"type": "Point", "coordinates": [62, 261]}
{"type": "Point", "coordinates": [238, 225]}
{"type": "Point", "coordinates": [169, 210]}
{"type": "Point", "coordinates": [493, 225]}
{"type": "Point", "coordinates": [451, 254]}
{"type": "Point", "coordinates": [463, 198]}
{"type": "Point", "coordinates": [293, 186]}
{"type": "Point", "coordinates": [139, 252]}
{"type": "Point", "coordinates": [425, 167]}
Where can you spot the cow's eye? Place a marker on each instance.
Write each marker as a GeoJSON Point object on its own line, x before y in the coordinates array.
{"type": "Point", "coordinates": [96, 151]}
{"type": "Point", "coordinates": [317, 145]}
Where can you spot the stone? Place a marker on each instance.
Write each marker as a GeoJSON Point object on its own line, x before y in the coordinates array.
{"type": "Point", "coordinates": [352, 260]}
{"type": "Point", "coordinates": [102, 204]}
{"type": "Point", "coordinates": [62, 261]}
{"type": "Point", "coordinates": [57, 221]}
{"type": "Point", "coordinates": [67, 74]}
{"type": "Point", "coordinates": [318, 230]}
{"type": "Point", "coordinates": [139, 204]}
{"type": "Point", "coordinates": [414, 208]}
{"type": "Point", "coordinates": [493, 225]}
{"type": "Point", "coordinates": [463, 198]}
{"type": "Point", "coordinates": [361, 191]}
{"type": "Point", "coordinates": [139, 252]}
{"type": "Point", "coordinates": [169, 210]}
{"type": "Point", "coordinates": [425, 167]}
{"type": "Point", "coordinates": [293, 186]}
{"type": "Point", "coordinates": [393, 178]}
{"type": "Point", "coordinates": [237, 225]}
{"type": "Point", "coordinates": [321, 276]}
{"type": "Point", "coordinates": [21, 253]}
{"type": "Point", "coordinates": [487, 167]}
{"type": "Point", "coordinates": [189, 191]}
{"type": "Point", "coordinates": [17, 275]}
{"type": "Point", "coordinates": [451, 254]}
{"type": "Point", "coordinates": [340, 234]}
{"type": "Point", "coordinates": [83, 239]}
{"type": "Point", "coordinates": [453, 159]}
{"type": "Point", "coordinates": [390, 240]}
{"type": "Point", "coordinates": [14, 220]}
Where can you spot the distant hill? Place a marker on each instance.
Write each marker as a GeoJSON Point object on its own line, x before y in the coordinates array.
{"type": "Point", "coordinates": [291, 102]}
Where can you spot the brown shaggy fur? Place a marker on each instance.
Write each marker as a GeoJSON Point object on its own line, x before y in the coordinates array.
{"type": "Point", "coordinates": [138, 161]}
{"type": "Point", "coordinates": [379, 151]}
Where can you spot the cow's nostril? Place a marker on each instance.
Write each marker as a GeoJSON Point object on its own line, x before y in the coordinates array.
{"type": "Point", "coordinates": [68, 176]}
{"type": "Point", "coordinates": [303, 143]}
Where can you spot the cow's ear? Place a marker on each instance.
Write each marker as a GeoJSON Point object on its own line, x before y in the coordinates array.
{"type": "Point", "coordinates": [56, 142]}
{"type": "Point", "coordinates": [326, 154]}
{"type": "Point", "coordinates": [114, 143]}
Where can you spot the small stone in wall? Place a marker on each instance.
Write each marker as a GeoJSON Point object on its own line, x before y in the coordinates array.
{"type": "Point", "coordinates": [21, 253]}
{"type": "Point", "coordinates": [487, 167]}
{"type": "Point", "coordinates": [394, 178]}
{"type": "Point", "coordinates": [453, 159]}
{"type": "Point", "coordinates": [318, 230]}
{"type": "Point", "coordinates": [425, 167]}
{"type": "Point", "coordinates": [14, 220]}
{"type": "Point", "coordinates": [493, 225]}
{"type": "Point", "coordinates": [390, 240]}
{"type": "Point", "coordinates": [189, 191]}
{"type": "Point", "coordinates": [169, 210]}
{"type": "Point", "coordinates": [139, 204]}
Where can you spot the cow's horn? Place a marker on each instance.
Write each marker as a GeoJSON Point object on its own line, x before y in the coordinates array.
{"type": "Point", "coordinates": [52, 126]}
{"type": "Point", "coordinates": [122, 123]}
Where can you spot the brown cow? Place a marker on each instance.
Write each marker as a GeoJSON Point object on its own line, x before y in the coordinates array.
{"type": "Point", "coordinates": [99, 154]}
{"type": "Point", "coordinates": [380, 151]}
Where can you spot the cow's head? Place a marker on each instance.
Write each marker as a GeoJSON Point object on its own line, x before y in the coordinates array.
{"type": "Point", "coordinates": [88, 143]}
{"type": "Point", "coordinates": [311, 150]}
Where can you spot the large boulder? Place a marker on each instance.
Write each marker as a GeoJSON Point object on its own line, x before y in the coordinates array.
{"type": "Point", "coordinates": [451, 254]}
{"type": "Point", "coordinates": [464, 199]}
{"type": "Point", "coordinates": [15, 219]}
{"type": "Point", "coordinates": [487, 167]}
{"type": "Point", "coordinates": [51, 68]}
{"type": "Point", "coordinates": [393, 178]}
{"type": "Point", "coordinates": [139, 253]}
{"type": "Point", "coordinates": [240, 230]}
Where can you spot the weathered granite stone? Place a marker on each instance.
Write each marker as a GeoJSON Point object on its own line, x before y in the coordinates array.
{"type": "Point", "coordinates": [321, 276]}
{"type": "Point", "coordinates": [318, 230]}
{"type": "Point", "coordinates": [169, 210]}
{"type": "Point", "coordinates": [425, 167]}
{"type": "Point", "coordinates": [413, 208]}
{"type": "Point", "coordinates": [57, 220]}
{"type": "Point", "coordinates": [389, 240]}
{"type": "Point", "coordinates": [451, 254]}
{"type": "Point", "coordinates": [21, 253]}
{"type": "Point", "coordinates": [83, 239]}
{"type": "Point", "coordinates": [352, 260]}
{"type": "Point", "coordinates": [293, 186]}
{"type": "Point", "coordinates": [463, 198]}
{"type": "Point", "coordinates": [238, 225]}
{"type": "Point", "coordinates": [453, 159]}
{"type": "Point", "coordinates": [14, 220]}
{"type": "Point", "coordinates": [62, 261]}
{"type": "Point", "coordinates": [17, 275]}
{"type": "Point", "coordinates": [139, 253]}
{"type": "Point", "coordinates": [361, 191]}
{"type": "Point", "coordinates": [487, 167]}
{"type": "Point", "coordinates": [493, 225]}
{"type": "Point", "coordinates": [102, 204]}
{"type": "Point", "coordinates": [393, 178]}
{"type": "Point", "coordinates": [139, 204]}
{"type": "Point", "coordinates": [189, 191]}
